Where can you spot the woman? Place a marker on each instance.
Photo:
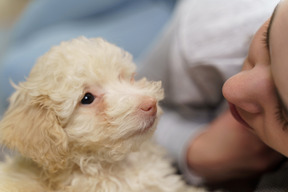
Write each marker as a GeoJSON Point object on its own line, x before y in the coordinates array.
{"type": "Point", "coordinates": [257, 95]}
{"type": "Point", "coordinates": [261, 105]}
{"type": "Point", "coordinates": [192, 72]}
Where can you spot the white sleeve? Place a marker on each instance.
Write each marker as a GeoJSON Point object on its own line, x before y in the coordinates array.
{"type": "Point", "coordinates": [205, 43]}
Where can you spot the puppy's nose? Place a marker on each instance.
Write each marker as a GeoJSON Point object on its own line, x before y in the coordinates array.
{"type": "Point", "coordinates": [148, 106]}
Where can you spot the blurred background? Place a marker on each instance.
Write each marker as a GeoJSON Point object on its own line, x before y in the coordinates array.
{"type": "Point", "coordinates": [10, 10]}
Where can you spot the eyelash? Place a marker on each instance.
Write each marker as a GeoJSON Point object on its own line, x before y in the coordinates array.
{"type": "Point", "coordinates": [280, 117]}
{"type": "Point", "coordinates": [279, 112]}
{"type": "Point", "coordinates": [265, 38]}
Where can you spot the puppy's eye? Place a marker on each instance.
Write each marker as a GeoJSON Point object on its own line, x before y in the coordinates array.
{"type": "Point", "coordinates": [87, 99]}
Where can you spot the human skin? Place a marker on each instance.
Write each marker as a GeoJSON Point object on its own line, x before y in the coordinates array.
{"type": "Point", "coordinates": [258, 97]}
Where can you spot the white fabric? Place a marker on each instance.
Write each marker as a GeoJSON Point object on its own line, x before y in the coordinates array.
{"type": "Point", "coordinates": [205, 43]}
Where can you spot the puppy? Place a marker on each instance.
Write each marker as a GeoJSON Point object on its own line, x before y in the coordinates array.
{"type": "Point", "coordinates": [81, 123]}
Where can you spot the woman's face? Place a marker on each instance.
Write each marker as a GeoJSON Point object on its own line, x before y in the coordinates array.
{"type": "Point", "coordinates": [258, 95]}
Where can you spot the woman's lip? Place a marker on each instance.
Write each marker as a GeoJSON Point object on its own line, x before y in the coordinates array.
{"type": "Point", "coordinates": [237, 116]}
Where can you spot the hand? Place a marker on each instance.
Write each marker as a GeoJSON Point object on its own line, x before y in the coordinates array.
{"type": "Point", "coordinates": [228, 150]}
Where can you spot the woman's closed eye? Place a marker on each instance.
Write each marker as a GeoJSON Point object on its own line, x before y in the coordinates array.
{"type": "Point", "coordinates": [265, 38]}
{"type": "Point", "coordinates": [282, 116]}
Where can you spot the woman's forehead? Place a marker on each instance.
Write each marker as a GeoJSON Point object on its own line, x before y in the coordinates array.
{"type": "Point", "coordinates": [279, 49]}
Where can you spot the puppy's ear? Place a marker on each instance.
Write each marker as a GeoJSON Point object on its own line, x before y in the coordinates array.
{"type": "Point", "coordinates": [33, 129]}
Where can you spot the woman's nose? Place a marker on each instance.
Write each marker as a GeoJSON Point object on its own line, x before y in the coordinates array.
{"type": "Point", "coordinates": [245, 90]}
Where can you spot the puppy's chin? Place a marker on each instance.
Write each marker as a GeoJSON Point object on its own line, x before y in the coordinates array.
{"type": "Point", "coordinates": [145, 129]}
{"type": "Point", "coordinates": [148, 126]}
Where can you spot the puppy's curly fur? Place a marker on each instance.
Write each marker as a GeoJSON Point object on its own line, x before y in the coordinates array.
{"type": "Point", "coordinates": [81, 123]}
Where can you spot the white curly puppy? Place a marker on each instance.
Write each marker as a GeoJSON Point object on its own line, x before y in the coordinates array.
{"type": "Point", "coordinates": [81, 123]}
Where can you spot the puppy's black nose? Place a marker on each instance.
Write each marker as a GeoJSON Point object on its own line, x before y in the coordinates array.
{"type": "Point", "coordinates": [148, 106]}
